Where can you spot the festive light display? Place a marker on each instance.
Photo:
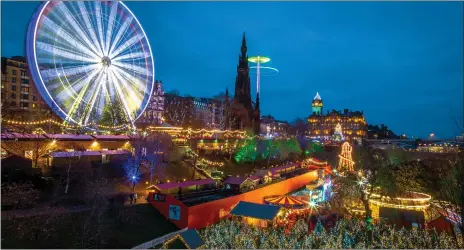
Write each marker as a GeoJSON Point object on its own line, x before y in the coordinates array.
{"type": "Point", "coordinates": [346, 162]}
{"type": "Point", "coordinates": [203, 160]}
{"type": "Point", "coordinates": [90, 58]}
{"type": "Point", "coordinates": [61, 124]}
{"type": "Point", "coordinates": [418, 202]}
{"type": "Point", "coordinates": [345, 234]}
{"type": "Point", "coordinates": [315, 162]}
{"type": "Point", "coordinates": [338, 134]}
{"type": "Point", "coordinates": [176, 131]}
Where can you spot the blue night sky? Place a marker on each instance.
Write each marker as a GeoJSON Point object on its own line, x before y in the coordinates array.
{"type": "Point", "coordinates": [399, 62]}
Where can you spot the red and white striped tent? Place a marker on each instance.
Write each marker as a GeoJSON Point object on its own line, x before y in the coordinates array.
{"type": "Point", "coordinates": [286, 201]}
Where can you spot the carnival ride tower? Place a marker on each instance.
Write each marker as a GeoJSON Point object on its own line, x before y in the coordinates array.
{"type": "Point", "coordinates": [346, 162]}
{"type": "Point", "coordinates": [259, 60]}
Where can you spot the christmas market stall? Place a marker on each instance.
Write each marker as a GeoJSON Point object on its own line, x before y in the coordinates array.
{"type": "Point", "coordinates": [239, 184]}
{"type": "Point", "coordinates": [261, 215]}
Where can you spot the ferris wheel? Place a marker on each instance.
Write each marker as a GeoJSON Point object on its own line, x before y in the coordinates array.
{"type": "Point", "coordinates": [90, 58]}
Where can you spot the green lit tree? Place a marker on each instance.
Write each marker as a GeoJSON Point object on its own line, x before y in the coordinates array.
{"type": "Point", "coordinates": [292, 146]}
{"type": "Point", "coordinates": [271, 150]}
{"type": "Point", "coordinates": [248, 152]}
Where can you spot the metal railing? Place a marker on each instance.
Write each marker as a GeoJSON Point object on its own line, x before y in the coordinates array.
{"type": "Point", "coordinates": [159, 240]}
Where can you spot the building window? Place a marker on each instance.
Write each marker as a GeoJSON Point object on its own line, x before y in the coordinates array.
{"type": "Point", "coordinates": [34, 98]}
{"type": "Point", "coordinates": [13, 80]}
{"type": "Point", "coordinates": [24, 105]}
{"type": "Point", "coordinates": [13, 96]}
{"type": "Point", "coordinates": [33, 105]}
{"type": "Point", "coordinates": [14, 72]}
{"type": "Point", "coordinates": [13, 104]}
{"type": "Point", "coordinates": [25, 97]}
{"type": "Point", "coordinates": [24, 89]}
{"type": "Point", "coordinates": [23, 73]}
{"type": "Point", "coordinates": [25, 81]}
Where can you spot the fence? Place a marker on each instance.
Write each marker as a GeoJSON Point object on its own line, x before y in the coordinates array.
{"type": "Point", "coordinates": [159, 240]}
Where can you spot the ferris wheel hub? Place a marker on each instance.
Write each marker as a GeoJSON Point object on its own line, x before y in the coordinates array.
{"type": "Point", "coordinates": [106, 61]}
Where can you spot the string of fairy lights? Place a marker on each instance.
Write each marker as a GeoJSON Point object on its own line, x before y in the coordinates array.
{"type": "Point", "coordinates": [187, 132]}
{"type": "Point", "coordinates": [61, 124]}
{"type": "Point", "coordinates": [203, 160]}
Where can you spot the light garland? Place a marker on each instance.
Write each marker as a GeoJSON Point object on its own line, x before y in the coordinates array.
{"type": "Point", "coordinates": [312, 161]}
{"type": "Point", "coordinates": [407, 207]}
{"type": "Point", "coordinates": [59, 124]}
{"type": "Point", "coordinates": [425, 199]}
{"type": "Point", "coordinates": [205, 161]}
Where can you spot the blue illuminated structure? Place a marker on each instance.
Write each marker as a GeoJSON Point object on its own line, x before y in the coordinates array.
{"type": "Point", "coordinates": [88, 56]}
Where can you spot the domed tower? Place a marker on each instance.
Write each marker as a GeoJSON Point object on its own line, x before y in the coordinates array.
{"type": "Point", "coordinates": [317, 105]}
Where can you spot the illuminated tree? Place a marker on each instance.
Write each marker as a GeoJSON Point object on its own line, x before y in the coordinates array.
{"type": "Point", "coordinates": [233, 234]}
{"type": "Point", "coordinates": [113, 113]}
{"type": "Point", "coordinates": [292, 146]}
{"type": "Point", "coordinates": [338, 134]}
{"type": "Point", "coordinates": [158, 146]}
{"type": "Point", "coordinates": [271, 150]}
{"type": "Point", "coordinates": [148, 151]}
{"type": "Point", "coordinates": [248, 152]}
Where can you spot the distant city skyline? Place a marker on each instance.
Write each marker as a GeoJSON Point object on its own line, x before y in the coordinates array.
{"type": "Point", "coordinates": [399, 62]}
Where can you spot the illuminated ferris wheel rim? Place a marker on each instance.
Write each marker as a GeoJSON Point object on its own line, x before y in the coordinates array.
{"type": "Point", "coordinates": [31, 51]}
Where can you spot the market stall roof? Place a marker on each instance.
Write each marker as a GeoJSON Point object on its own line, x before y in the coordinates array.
{"type": "Point", "coordinates": [277, 169]}
{"type": "Point", "coordinates": [255, 210]}
{"type": "Point", "coordinates": [262, 173]}
{"type": "Point", "coordinates": [285, 201]}
{"type": "Point", "coordinates": [70, 137]}
{"type": "Point", "coordinates": [192, 239]}
{"type": "Point", "coordinates": [234, 180]}
{"type": "Point", "coordinates": [111, 137]}
{"type": "Point", "coordinates": [65, 154]}
{"type": "Point", "coordinates": [21, 136]}
{"type": "Point", "coordinates": [189, 183]}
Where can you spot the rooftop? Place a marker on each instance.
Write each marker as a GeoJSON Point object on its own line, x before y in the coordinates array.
{"type": "Point", "coordinates": [189, 183]}
{"type": "Point", "coordinates": [192, 239]}
{"type": "Point", "coordinates": [255, 210]}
